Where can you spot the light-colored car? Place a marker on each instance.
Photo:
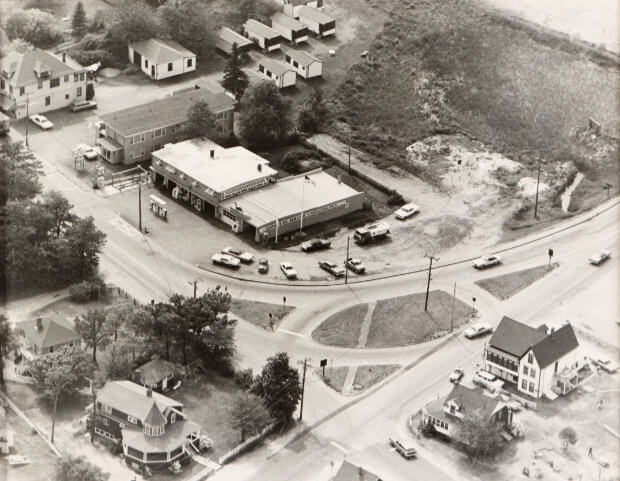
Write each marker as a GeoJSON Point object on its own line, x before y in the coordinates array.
{"type": "Point", "coordinates": [225, 260]}
{"type": "Point", "coordinates": [604, 363]}
{"type": "Point", "coordinates": [406, 211]}
{"type": "Point", "coordinates": [246, 257]}
{"type": "Point", "coordinates": [600, 258]}
{"type": "Point", "coordinates": [80, 105]}
{"type": "Point", "coordinates": [402, 447]}
{"type": "Point", "coordinates": [263, 266]}
{"type": "Point", "coordinates": [356, 265]}
{"type": "Point", "coordinates": [89, 152]}
{"type": "Point", "coordinates": [288, 270]}
{"type": "Point", "coordinates": [41, 121]}
{"type": "Point", "coordinates": [315, 244]}
{"type": "Point", "coordinates": [477, 329]}
{"type": "Point", "coordinates": [456, 375]}
{"type": "Point", "coordinates": [488, 261]}
{"type": "Point", "coordinates": [333, 268]}
{"type": "Point", "coordinates": [487, 380]}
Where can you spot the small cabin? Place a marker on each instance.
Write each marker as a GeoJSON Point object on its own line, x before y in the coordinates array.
{"type": "Point", "coordinates": [227, 37]}
{"type": "Point", "coordinates": [265, 37]}
{"type": "Point", "coordinates": [306, 65]}
{"type": "Point", "coordinates": [291, 7]}
{"type": "Point", "coordinates": [292, 30]}
{"type": "Point", "coordinates": [280, 74]}
{"type": "Point", "coordinates": [319, 23]}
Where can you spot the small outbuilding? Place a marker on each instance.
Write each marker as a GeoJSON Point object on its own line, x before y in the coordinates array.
{"type": "Point", "coordinates": [282, 75]}
{"type": "Point", "coordinates": [291, 7]}
{"type": "Point", "coordinates": [306, 65]}
{"type": "Point", "coordinates": [319, 23]}
{"type": "Point", "coordinates": [157, 374]}
{"type": "Point", "coordinates": [227, 37]}
{"type": "Point", "coordinates": [161, 59]}
{"type": "Point", "coordinates": [292, 30]}
{"type": "Point", "coordinates": [265, 37]}
{"type": "Point", "coordinates": [44, 335]}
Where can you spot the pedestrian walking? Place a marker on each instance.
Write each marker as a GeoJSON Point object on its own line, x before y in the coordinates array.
{"type": "Point", "coordinates": [590, 451]}
{"type": "Point", "coordinates": [284, 300]}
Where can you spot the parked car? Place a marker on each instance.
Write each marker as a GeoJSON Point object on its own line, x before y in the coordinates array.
{"type": "Point", "coordinates": [600, 258]}
{"type": "Point", "coordinates": [487, 262]}
{"type": "Point", "coordinates": [407, 211]}
{"type": "Point", "coordinates": [315, 244]}
{"type": "Point", "coordinates": [246, 257]}
{"type": "Point", "coordinates": [288, 270]}
{"type": "Point", "coordinates": [332, 268]}
{"type": "Point", "coordinates": [605, 364]}
{"type": "Point", "coordinates": [371, 232]}
{"type": "Point", "coordinates": [263, 266]}
{"type": "Point", "coordinates": [79, 105]}
{"type": "Point", "coordinates": [87, 151]}
{"type": "Point", "coordinates": [402, 447]}
{"type": "Point", "coordinates": [225, 260]}
{"type": "Point", "coordinates": [456, 375]}
{"type": "Point", "coordinates": [356, 265]}
{"type": "Point", "coordinates": [484, 378]}
{"type": "Point", "coordinates": [41, 121]}
{"type": "Point", "coordinates": [477, 329]}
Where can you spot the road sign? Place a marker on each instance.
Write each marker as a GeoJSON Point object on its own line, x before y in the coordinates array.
{"type": "Point", "coordinates": [323, 364]}
{"type": "Point", "coordinates": [550, 252]}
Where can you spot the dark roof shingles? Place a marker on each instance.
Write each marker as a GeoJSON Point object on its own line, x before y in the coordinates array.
{"type": "Point", "coordinates": [514, 337]}
{"type": "Point", "coordinates": [556, 345]}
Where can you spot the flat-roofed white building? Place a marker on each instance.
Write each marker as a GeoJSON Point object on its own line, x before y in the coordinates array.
{"type": "Point", "coordinates": [282, 75]}
{"type": "Point", "coordinates": [265, 37]}
{"type": "Point", "coordinates": [292, 30]}
{"type": "Point", "coordinates": [317, 22]}
{"type": "Point", "coordinates": [227, 37]}
{"type": "Point", "coordinates": [306, 65]}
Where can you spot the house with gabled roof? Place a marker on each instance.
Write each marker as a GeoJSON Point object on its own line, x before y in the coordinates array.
{"type": "Point", "coordinates": [445, 414]}
{"type": "Point", "coordinates": [161, 59]}
{"type": "Point", "coordinates": [539, 361]}
{"type": "Point", "coordinates": [44, 335]}
{"type": "Point", "coordinates": [151, 428]}
{"type": "Point", "coordinates": [307, 66]}
{"type": "Point", "coordinates": [157, 374]}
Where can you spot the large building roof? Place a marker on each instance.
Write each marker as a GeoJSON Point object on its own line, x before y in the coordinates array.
{"type": "Point", "coordinates": [285, 197]}
{"type": "Point", "coordinates": [261, 29]}
{"type": "Point", "coordinates": [556, 345]}
{"type": "Point", "coordinates": [161, 51]}
{"type": "Point", "coordinates": [230, 36]}
{"type": "Point", "coordinates": [303, 58]}
{"type": "Point", "coordinates": [131, 398]}
{"type": "Point", "coordinates": [314, 14]}
{"type": "Point", "coordinates": [21, 69]}
{"type": "Point", "coordinates": [228, 168]}
{"type": "Point", "coordinates": [53, 332]}
{"type": "Point", "coordinates": [164, 112]}
{"type": "Point", "coordinates": [350, 472]}
{"type": "Point", "coordinates": [516, 338]}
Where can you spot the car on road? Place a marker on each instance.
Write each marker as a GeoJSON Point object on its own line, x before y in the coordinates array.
{"type": "Point", "coordinates": [333, 268]}
{"type": "Point", "coordinates": [41, 121]}
{"type": "Point", "coordinates": [456, 375]}
{"type": "Point", "coordinates": [407, 211]}
{"type": "Point", "coordinates": [315, 245]}
{"type": "Point", "coordinates": [225, 260]}
{"type": "Point", "coordinates": [79, 106]}
{"type": "Point", "coordinates": [477, 329]}
{"type": "Point", "coordinates": [356, 265]}
{"type": "Point", "coordinates": [488, 261]}
{"type": "Point", "coordinates": [604, 363]}
{"type": "Point", "coordinates": [600, 258]}
{"type": "Point", "coordinates": [288, 270]}
{"type": "Point", "coordinates": [263, 266]}
{"type": "Point", "coordinates": [402, 447]}
{"type": "Point", "coordinates": [243, 256]}
{"type": "Point", "coordinates": [87, 151]}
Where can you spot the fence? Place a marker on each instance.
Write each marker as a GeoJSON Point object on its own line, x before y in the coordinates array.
{"type": "Point", "coordinates": [249, 443]}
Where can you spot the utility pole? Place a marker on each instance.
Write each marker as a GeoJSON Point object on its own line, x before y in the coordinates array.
{"type": "Point", "coordinates": [92, 420]}
{"type": "Point", "coordinates": [139, 203]}
{"type": "Point", "coordinates": [346, 263]}
{"type": "Point", "coordinates": [303, 388]}
{"type": "Point", "coordinates": [537, 184]}
{"type": "Point", "coordinates": [428, 282]}
{"type": "Point", "coordinates": [349, 155]}
{"type": "Point", "coordinates": [453, 301]}
{"type": "Point", "coordinates": [194, 282]}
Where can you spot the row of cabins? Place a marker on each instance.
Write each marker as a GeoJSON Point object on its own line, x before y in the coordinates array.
{"type": "Point", "coordinates": [296, 62]}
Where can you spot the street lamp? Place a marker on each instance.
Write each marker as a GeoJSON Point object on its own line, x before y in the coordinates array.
{"type": "Point", "coordinates": [537, 185]}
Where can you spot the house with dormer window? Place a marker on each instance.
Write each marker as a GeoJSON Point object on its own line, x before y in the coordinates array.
{"type": "Point", "coordinates": [151, 428]}
{"type": "Point", "coordinates": [37, 81]}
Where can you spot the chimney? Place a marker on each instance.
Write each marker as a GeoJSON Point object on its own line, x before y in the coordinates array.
{"type": "Point", "coordinates": [39, 323]}
{"type": "Point", "coordinates": [149, 392]}
{"type": "Point", "coordinates": [259, 167]}
{"type": "Point", "coordinates": [212, 153]}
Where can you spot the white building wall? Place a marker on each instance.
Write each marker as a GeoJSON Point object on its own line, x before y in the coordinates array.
{"type": "Point", "coordinates": [46, 98]}
{"type": "Point", "coordinates": [569, 360]}
{"type": "Point", "coordinates": [543, 380]}
{"type": "Point", "coordinates": [315, 69]}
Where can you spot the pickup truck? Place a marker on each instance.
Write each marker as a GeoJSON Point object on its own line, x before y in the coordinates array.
{"type": "Point", "coordinates": [371, 232]}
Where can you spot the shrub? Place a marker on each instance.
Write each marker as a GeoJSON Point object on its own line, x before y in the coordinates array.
{"type": "Point", "coordinates": [88, 57]}
{"type": "Point", "coordinates": [244, 378]}
{"type": "Point", "coordinates": [395, 199]}
{"type": "Point", "coordinates": [86, 291]}
{"type": "Point", "coordinates": [39, 28]}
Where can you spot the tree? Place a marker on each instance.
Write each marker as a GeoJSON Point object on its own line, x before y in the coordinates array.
{"type": "Point", "coordinates": [79, 21]}
{"type": "Point", "coordinates": [59, 209]}
{"type": "Point", "coordinates": [19, 171]}
{"type": "Point", "coordinates": [77, 468]}
{"type": "Point", "coordinates": [200, 123]}
{"type": "Point", "coordinates": [235, 79]}
{"type": "Point", "coordinates": [93, 329]}
{"type": "Point", "coordinates": [261, 10]}
{"type": "Point", "coordinates": [154, 325]}
{"type": "Point", "coordinates": [39, 28]}
{"type": "Point", "coordinates": [279, 386]}
{"type": "Point", "coordinates": [118, 361]}
{"type": "Point", "coordinates": [247, 413]}
{"type": "Point", "coordinates": [131, 21]}
{"type": "Point", "coordinates": [264, 118]}
{"type": "Point", "coordinates": [568, 435]}
{"type": "Point", "coordinates": [20, 46]}
{"type": "Point", "coordinates": [7, 343]}
{"type": "Point", "coordinates": [58, 375]}
{"type": "Point", "coordinates": [118, 315]}
{"type": "Point", "coordinates": [188, 22]}
{"type": "Point", "coordinates": [313, 112]}
{"type": "Point", "coordinates": [84, 244]}
{"type": "Point", "coordinates": [479, 436]}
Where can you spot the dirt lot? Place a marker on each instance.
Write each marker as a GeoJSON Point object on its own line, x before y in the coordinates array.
{"type": "Point", "coordinates": [508, 285]}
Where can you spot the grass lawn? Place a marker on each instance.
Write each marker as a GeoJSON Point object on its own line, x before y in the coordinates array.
{"type": "Point", "coordinates": [508, 285]}
{"type": "Point", "coordinates": [334, 376]}
{"type": "Point", "coordinates": [343, 328]}
{"type": "Point", "coordinates": [258, 312]}
{"type": "Point", "coordinates": [368, 376]}
{"type": "Point", "coordinates": [67, 308]}
{"type": "Point", "coordinates": [401, 321]}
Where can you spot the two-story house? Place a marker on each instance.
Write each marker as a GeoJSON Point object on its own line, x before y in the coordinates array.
{"type": "Point", "coordinates": [131, 135]}
{"type": "Point", "coordinates": [36, 82]}
{"type": "Point", "coordinates": [151, 427]}
{"type": "Point", "coordinates": [538, 361]}
{"type": "Point", "coordinates": [44, 335]}
{"type": "Point", "coordinates": [445, 414]}
{"type": "Point", "coordinates": [161, 59]}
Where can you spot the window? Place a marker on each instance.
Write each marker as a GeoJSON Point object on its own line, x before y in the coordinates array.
{"type": "Point", "coordinates": [146, 63]}
{"type": "Point", "coordinates": [268, 73]}
{"type": "Point", "coordinates": [170, 67]}
{"type": "Point", "coordinates": [22, 90]}
{"type": "Point", "coordinates": [2, 84]}
{"type": "Point", "coordinates": [66, 96]}
{"type": "Point", "coordinates": [105, 408]}
{"type": "Point", "coordinates": [261, 69]}
{"type": "Point", "coordinates": [189, 62]}
{"type": "Point", "coordinates": [82, 76]}
{"type": "Point", "coordinates": [555, 368]}
{"type": "Point", "coordinates": [525, 370]}
{"type": "Point", "coordinates": [524, 384]}
{"type": "Point", "coordinates": [173, 417]}
{"type": "Point", "coordinates": [295, 64]}
{"type": "Point", "coordinates": [55, 82]}
{"type": "Point", "coordinates": [531, 388]}
{"type": "Point", "coordinates": [48, 100]}
{"type": "Point", "coordinates": [131, 419]}
{"type": "Point", "coordinates": [530, 358]}
{"type": "Point", "coordinates": [66, 79]}
{"type": "Point", "coordinates": [75, 77]}
{"type": "Point", "coordinates": [105, 421]}
{"type": "Point", "coordinates": [39, 84]}
{"type": "Point", "coordinates": [532, 372]}
{"type": "Point", "coordinates": [79, 91]}
{"type": "Point", "coordinates": [288, 58]}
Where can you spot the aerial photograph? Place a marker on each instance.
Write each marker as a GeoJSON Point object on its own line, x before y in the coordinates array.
{"type": "Point", "coordinates": [309, 240]}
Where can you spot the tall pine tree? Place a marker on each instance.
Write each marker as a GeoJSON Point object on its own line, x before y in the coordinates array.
{"type": "Point", "coordinates": [78, 22]}
{"type": "Point", "coordinates": [235, 79]}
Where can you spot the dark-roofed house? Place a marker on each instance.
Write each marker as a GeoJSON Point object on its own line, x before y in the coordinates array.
{"type": "Point", "coordinates": [291, 7]}
{"type": "Point", "coordinates": [157, 374]}
{"type": "Point", "coordinates": [539, 361]}
{"type": "Point", "coordinates": [39, 79]}
{"type": "Point", "coordinates": [44, 335]}
{"type": "Point", "coordinates": [160, 59]}
{"type": "Point", "coordinates": [151, 427]}
{"type": "Point", "coordinates": [350, 472]}
{"type": "Point", "coordinates": [306, 65]}
{"type": "Point", "coordinates": [227, 37]}
{"type": "Point", "coordinates": [444, 414]}
{"type": "Point", "coordinates": [130, 135]}
{"type": "Point", "coordinates": [280, 74]}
